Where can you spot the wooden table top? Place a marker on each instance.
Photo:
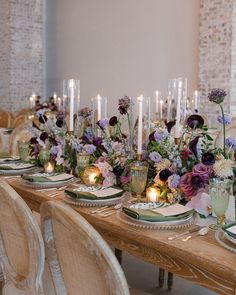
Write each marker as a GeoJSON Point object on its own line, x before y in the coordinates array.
{"type": "Point", "coordinates": [201, 259]}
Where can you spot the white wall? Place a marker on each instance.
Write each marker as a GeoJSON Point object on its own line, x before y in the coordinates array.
{"type": "Point", "coordinates": [118, 47]}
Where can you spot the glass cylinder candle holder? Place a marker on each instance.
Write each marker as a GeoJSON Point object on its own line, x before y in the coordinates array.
{"type": "Point", "coordinates": [91, 175]}
{"type": "Point", "coordinates": [139, 172]}
{"type": "Point", "coordinates": [71, 97]}
{"type": "Point", "coordinates": [139, 121]}
{"type": "Point", "coordinates": [152, 194]}
{"type": "Point", "coordinates": [49, 167]}
{"type": "Point", "coordinates": [24, 150]}
{"type": "Point", "coordinates": [99, 108]}
{"type": "Point", "coordinates": [44, 156]}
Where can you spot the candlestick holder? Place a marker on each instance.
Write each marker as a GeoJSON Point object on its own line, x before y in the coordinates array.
{"type": "Point", "coordinates": [139, 172]}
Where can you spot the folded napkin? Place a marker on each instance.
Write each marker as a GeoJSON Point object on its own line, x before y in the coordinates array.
{"type": "Point", "coordinates": [99, 194]}
{"type": "Point", "coordinates": [230, 229]}
{"type": "Point", "coordinates": [47, 177]}
{"type": "Point", "coordinates": [150, 215]}
{"type": "Point", "coordinates": [15, 165]}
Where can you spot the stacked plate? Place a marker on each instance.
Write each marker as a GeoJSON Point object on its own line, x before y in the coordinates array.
{"type": "Point", "coordinates": [47, 180]}
{"type": "Point", "coordinates": [82, 195]}
{"type": "Point", "coordinates": [226, 236]}
{"type": "Point", "coordinates": [157, 215]}
{"type": "Point", "coordinates": [14, 166]}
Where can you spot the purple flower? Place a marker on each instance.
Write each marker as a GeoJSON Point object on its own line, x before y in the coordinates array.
{"type": "Point", "coordinates": [59, 123]}
{"type": "Point", "coordinates": [190, 183]}
{"type": "Point", "coordinates": [170, 125]}
{"type": "Point", "coordinates": [124, 105]}
{"type": "Point", "coordinates": [217, 95]}
{"type": "Point", "coordinates": [203, 171]}
{"type": "Point", "coordinates": [195, 121]}
{"type": "Point", "coordinates": [230, 143]}
{"type": "Point", "coordinates": [85, 112]}
{"type": "Point", "coordinates": [173, 181]}
{"type": "Point", "coordinates": [54, 150]}
{"type": "Point", "coordinates": [113, 121]}
{"type": "Point", "coordinates": [97, 141]}
{"type": "Point", "coordinates": [44, 136]}
{"type": "Point", "coordinates": [103, 123]}
{"type": "Point", "coordinates": [155, 157]}
{"type": "Point", "coordinates": [164, 174]}
{"type": "Point", "coordinates": [208, 159]}
{"type": "Point", "coordinates": [193, 145]}
{"type": "Point", "coordinates": [33, 140]}
{"type": "Point", "coordinates": [227, 119]}
{"type": "Point", "coordinates": [43, 119]}
{"type": "Point", "coordinates": [40, 112]}
{"type": "Point", "coordinates": [125, 179]}
{"type": "Point", "coordinates": [160, 135]}
{"type": "Point", "coordinates": [89, 148]}
{"type": "Point", "coordinates": [60, 115]}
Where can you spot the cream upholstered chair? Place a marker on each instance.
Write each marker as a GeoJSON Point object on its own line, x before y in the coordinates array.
{"type": "Point", "coordinates": [21, 245]}
{"type": "Point", "coordinates": [80, 260]}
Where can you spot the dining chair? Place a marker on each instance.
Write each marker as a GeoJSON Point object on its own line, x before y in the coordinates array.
{"type": "Point", "coordinates": [80, 260]}
{"type": "Point", "coordinates": [6, 119]}
{"type": "Point", "coordinates": [22, 253]}
{"type": "Point", "coordinates": [20, 119]}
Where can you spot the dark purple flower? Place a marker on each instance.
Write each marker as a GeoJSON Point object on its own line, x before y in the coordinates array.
{"type": "Point", "coordinates": [164, 174]}
{"type": "Point", "coordinates": [125, 179]}
{"type": "Point", "coordinates": [124, 105]}
{"type": "Point", "coordinates": [151, 136]}
{"type": "Point", "coordinates": [195, 121]}
{"type": "Point", "coordinates": [44, 136]}
{"type": "Point", "coordinates": [208, 159]}
{"type": "Point", "coordinates": [193, 145]}
{"type": "Point", "coordinates": [43, 119]}
{"type": "Point", "coordinates": [60, 115]}
{"type": "Point", "coordinates": [33, 140]}
{"type": "Point", "coordinates": [217, 95]}
{"type": "Point", "coordinates": [97, 141]}
{"type": "Point", "coordinates": [170, 125]}
{"type": "Point", "coordinates": [190, 183]}
{"type": "Point", "coordinates": [197, 182]}
{"type": "Point", "coordinates": [59, 123]}
{"type": "Point", "coordinates": [113, 121]}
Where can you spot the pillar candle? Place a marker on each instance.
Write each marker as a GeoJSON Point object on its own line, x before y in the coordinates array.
{"type": "Point", "coordinates": [140, 123]}
{"type": "Point", "coordinates": [72, 101]}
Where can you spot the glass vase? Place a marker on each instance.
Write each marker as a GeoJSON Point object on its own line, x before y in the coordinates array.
{"type": "Point", "coordinates": [139, 172]}
{"type": "Point", "coordinates": [82, 162]}
{"type": "Point", "coordinates": [24, 150]}
{"type": "Point", "coordinates": [220, 191]}
{"type": "Point", "coordinates": [44, 156]}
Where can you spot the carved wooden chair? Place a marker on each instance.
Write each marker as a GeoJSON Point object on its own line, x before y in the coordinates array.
{"type": "Point", "coordinates": [21, 119]}
{"type": "Point", "coordinates": [21, 246]}
{"type": "Point", "coordinates": [6, 119]}
{"type": "Point", "coordinates": [80, 260]}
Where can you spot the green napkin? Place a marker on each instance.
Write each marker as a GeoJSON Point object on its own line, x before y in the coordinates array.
{"type": "Point", "coordinates": [149, 215]}
{"type": "Point", "coordinates": [46, 178]}
{"type": "Point", "coordinates": [226, 227]}
{"type": "Point", "coordinates": [76, 194]}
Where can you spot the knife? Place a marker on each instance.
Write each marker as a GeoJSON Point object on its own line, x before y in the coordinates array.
{"type": "Point", "coordinates": [197, 228]}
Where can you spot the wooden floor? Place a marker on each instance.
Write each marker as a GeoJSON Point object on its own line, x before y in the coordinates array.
{"type": "Point", "coordinates": [145, 276]}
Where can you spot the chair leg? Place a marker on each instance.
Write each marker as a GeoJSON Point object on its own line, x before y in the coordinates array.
{"type": "Point", "coordinates": [161, 277]}
{"type": "Point", "coordinates": [170, 281]}
{"type": "Point", "coordinates": [118, 254]}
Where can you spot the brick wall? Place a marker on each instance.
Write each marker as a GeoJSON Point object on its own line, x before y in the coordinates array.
{"type": "Point", "coordinates": [21, 31]}
{"type": "Point", "coordinates": [217, 54]}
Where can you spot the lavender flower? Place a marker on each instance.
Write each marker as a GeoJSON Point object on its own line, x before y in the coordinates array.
{"type": "Point", "coordinates": [85, 112]}
{"type": "Point", "coordinates": [89, 148]}
{"type": "Point", "coordinates": [173, 181]}
{"type": "Point", "coordinates": [103, 123]}
{"type": "Point", "coordinates": [40, 113]}
{"type": "Point", "coordinates": [124, 105]}
{"type": "Point", "coordinates": [155, 157]}
{"type": "Point", "coordinates": [161, 135]}
{"type": "Point", "coordinates": [54, 150]}
{"type": "Point", "coordinates": [230, 143]}
{"type": "Point", "coordinates": [227, 119]}
{"type": "Point", "coordinates": [217, 95]}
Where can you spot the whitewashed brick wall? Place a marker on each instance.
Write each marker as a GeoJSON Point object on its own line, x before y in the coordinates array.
{"type": "Point", "coordinates": [21, 35]}
{"type": "Point", "coordinates": [217, 53]}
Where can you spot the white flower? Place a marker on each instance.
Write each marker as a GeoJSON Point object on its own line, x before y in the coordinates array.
{"type": "Point", "coordinates": [164, 164]}
{"type": "Point", "coordinates": [223, 168]}
{"type": "Point", "coordinates": [201, 203]}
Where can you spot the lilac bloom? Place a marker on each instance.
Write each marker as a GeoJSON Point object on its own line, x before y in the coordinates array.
{"type": "Point", "coordinates": [89, 148]}
{"type": "Point", "coordinates": [161, 135]}
{"type": "Point", "coordinates": [230, 143]}
{"type": "Point", "coordinates": [155, 157]}
{"type": "Point", "coordinates": [173, 181]}
{"type": "Point", "coordinates": [227, 119]}
{"type": "Point", "coordinates": [103, 123]}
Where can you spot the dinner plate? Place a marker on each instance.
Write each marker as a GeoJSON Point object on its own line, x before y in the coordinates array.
{"type": "Point", "coordinates": [230, 238]}
{"type": "Point", "coordinates": [18, 171]}
{"type": "Point", "coordinates": [224, 241]}
{"type": "Point", "coordinates": [180, 223]}
{"type": "Point", "coordinates": [48, 184]}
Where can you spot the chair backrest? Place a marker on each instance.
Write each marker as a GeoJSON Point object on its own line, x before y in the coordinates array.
{"type": "Point", "coordinates": [6, 119]}
{"type": "Point", "coordinates": [21, 119]}
{"type": "Point", "coordinates": [21, 132]}
{"type": "Point", "coordinates": [21, 244]}
{"type": "Point", "coordinates": [80, 260]}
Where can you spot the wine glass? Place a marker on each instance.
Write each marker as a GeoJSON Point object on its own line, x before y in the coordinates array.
{"type": "Point", "coordinates": [139, 172]}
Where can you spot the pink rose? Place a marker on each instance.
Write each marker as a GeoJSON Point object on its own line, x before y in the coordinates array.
{"type": "Point", "coordinates": [203, 171]}
{"type": "Point", "coordinates": [190, 183]}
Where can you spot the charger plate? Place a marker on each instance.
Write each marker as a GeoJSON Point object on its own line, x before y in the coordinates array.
{"type": "Point", "coordinates": [223, 239]}
{"type": "Point", "coordinates": [185, 222]}
{"type": "Point", "coordinates": [18, 171]}
{"type": "Point", "coordinates": [97, 203]}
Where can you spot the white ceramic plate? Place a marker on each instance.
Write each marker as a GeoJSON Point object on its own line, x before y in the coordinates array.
{"type": "Point", "coordinates": [17, 172]}
{"type": "Point", "coordinates": [49, 184]}
{"type": "Point", "coordinates": [229, 238]}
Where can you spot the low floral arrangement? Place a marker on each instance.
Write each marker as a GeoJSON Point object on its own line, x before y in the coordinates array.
{"type": "Point", "coordinates": [179, 171]}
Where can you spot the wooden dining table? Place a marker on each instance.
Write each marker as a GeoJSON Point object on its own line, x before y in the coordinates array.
{"type": "Point", "coordinates": [200, 260]}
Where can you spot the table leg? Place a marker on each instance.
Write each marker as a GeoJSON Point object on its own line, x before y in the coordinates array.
{"type": "Point", "coordinates": [170, 281]}
{"type": "Point", "coordinates": [161, 277]}
{"type": "Point", "coordinates": [118, 254]}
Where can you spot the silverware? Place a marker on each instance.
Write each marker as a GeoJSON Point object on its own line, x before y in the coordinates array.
{"type": "Point", "coordinates": [202, 232]}
{"type": "Point", "coordinates": [197, 228]}
{"type": "Point", "coordinates": [51, 189]}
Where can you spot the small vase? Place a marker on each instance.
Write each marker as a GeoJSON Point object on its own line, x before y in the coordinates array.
{"type": "Point", "coordinates": [220, 191]}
